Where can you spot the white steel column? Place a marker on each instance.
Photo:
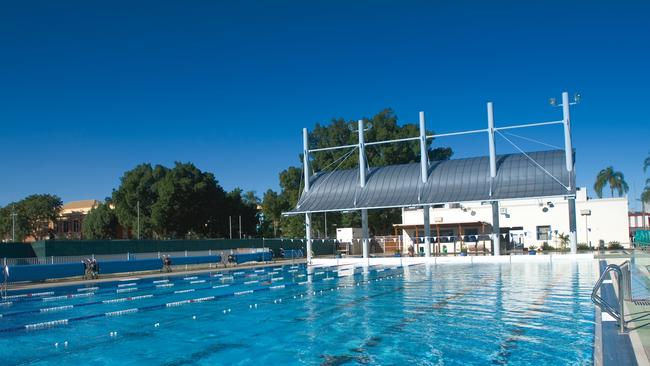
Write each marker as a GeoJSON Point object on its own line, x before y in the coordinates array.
{"type": "Point", "coordinates": [362, 183]}
{"type": "Point", "coordinates": [305, 158]}
{"type": "Point", "coordinates": [366, 235]}
{"type": "Point", "coordinates": [427, 231]}
{"type": "Point", "coordinates": [568, 152]}
{"type": "Point", "coordinates": [424, 173]}
{"type": "Point", "coordinates": [305, 167]}
{"type": "Point", "coordinates": [308, 236]}
{"type": "Point", "coordinates": [496, 230]}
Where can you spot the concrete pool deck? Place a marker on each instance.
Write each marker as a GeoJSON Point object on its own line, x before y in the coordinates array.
{"type": "Point", "coordinates": [74, 281]}
{"type": "Point", "coordinates": [392, 261]}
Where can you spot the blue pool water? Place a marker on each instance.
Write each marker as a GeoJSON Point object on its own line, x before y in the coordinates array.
{"type": "Point", "coordinates": [452, 314]}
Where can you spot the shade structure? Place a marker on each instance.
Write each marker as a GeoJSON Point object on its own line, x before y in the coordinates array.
{"type": "Point", "coordinates": [451, 181]}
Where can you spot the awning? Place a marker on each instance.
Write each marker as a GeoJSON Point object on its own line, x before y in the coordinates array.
{"type": "Point", "coordinates": [540, 174]}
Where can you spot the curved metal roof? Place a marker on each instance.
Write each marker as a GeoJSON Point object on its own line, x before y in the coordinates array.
{"type": "Point", "coordinates": [458, 180]}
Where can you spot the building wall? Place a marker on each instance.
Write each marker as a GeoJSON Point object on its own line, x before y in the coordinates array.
{"type": "Point", "coordinates": [608, 220]}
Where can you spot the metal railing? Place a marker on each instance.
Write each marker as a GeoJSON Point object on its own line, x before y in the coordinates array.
{"type": "Point", "coordinates": [623, 280]}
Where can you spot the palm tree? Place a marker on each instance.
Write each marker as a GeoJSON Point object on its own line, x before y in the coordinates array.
{"type": "Point", "coordinates": [646, 163]}
{"type": "Point", "coordinates": [613, 179]}
{"type": "Point", "coordinates": [645, 195]}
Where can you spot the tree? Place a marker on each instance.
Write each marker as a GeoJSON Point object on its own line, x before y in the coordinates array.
{"type": "Point", "coordinates": [100, 223]}
{"type": "Point", "coordinates": [12, 221]}
{"type": "Point", "coordinates": [138, 188]}
{"type": "Point", "coordinates": [614, 179]}
{"type": "Point", "coordinates": [646, 163]}
{"type": "Point", "coordinates": [645, 195]}
{"type": "Point", "coordinates": [564, 240]}
{"type": "Point", "coordinates": [186, 203]}
{"type": "Point", "coordinates": [244, 205]}
{"type": "Point", "coordinates": [39, 210]}
{"type": "Point", "coordinates": [272, 207]}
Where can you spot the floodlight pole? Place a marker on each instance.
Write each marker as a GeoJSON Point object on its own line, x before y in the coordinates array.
{"type": "Point", "coordinates": [424, 172]}
{"type": "Point", "coordinates": [13, 223]}
{"type": "Point", "coordinates": [362, 183]}
{"type": "Point", "coordinates": [568, 152]}
{"type": "Point", "coordinates": [496, 229]}
{"type": "Point", "coordinates": [305, 168]}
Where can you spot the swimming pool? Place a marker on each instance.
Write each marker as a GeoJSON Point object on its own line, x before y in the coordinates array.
{"type": "Point", "coordinates": [452, 314]}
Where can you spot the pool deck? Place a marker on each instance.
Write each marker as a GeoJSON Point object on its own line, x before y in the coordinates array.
{"type": "Point", "coordinates": [392, 261]}
{"type": "Point", "coordinates": [73, 281]}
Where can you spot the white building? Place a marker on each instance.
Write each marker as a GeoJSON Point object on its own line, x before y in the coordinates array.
{"type": "Point", "coordinates": [523, 223]}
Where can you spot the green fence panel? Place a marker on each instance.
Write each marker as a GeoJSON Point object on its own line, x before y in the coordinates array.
{"type": "Point", "coordinates": [88, 247]}
{"type": "Point", "coordinates": [642, 238]}
{"type": "Point", "coordinates": [16, 250]}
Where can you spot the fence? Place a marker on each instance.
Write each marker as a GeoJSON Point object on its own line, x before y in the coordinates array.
{"type": "Point", "coordinates": [84, 248]}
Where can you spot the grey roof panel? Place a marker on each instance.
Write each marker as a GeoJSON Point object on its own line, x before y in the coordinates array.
{"type": "Point", "coordinates": [458, 180]}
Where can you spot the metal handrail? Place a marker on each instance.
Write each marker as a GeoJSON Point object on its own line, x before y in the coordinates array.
{"type": "Point", "coordinates": [623, 282]}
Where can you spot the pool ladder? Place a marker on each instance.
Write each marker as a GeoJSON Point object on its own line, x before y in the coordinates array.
{"type": "Point", "coordinates": [624, 281]}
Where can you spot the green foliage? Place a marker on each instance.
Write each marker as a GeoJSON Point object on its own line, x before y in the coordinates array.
{"type": "Point", "coordinates": [645, 195]}
{"type": "Point", "coordinates": [181, 202]}
{"type": "Point", "coordinates": [272, 208]}
{"type": "Point", "coordinates": [564, 240]}
{"type": "Point", "coordinates": [612, 245]}
{"type": "Point", "coordinates": [340, 132]}
{"type": "Point", "coordinates": [138, 187]}
{"type": "Point", "coordinates": [33, 215]}
{"type": "Point", "coordinates": [546, 247]}
{"type": "Point", "coordinates": [187, 200]}
{"type": "Point", "coordinates": [243, 204]}
{"type": "Point", "coordinates": [615, 180]}
{"type": "Point", "coordinates": [583, 246]}
{"type": "Point", "coordinates": [7, 221]}
{"type": "Point", "coordinates": [100, 223]}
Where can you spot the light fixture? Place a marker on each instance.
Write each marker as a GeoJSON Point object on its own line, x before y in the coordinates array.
{"type": "Point", "coordinates": [577, 97]}
{"type": "Point", "coordinates": [552, 102]}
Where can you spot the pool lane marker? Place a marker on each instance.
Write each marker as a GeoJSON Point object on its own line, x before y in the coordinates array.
{"type": "Point", "coordinates": [184, 291]}
{"type": "Point", "coordinates": [135, 298]}
{"type": "Point", "coordinates": [86, 289]}
{"type": "Point", "coordinates": [128, 289]}
{"type": "Point", "coordinates": [54, 323]}
{"type": "Point", "coordinates": [123, 299]}
{"type": "Point", "coordinates": [32, 296]}
{"type": "Point", "coordinates": [56, 308]}
{"type": "Point", "coordinates": [69, 296]}
{"type": "Point", "coordinates": [126, 284]}
{"type": "Point", "coordinates": [110, 300]}
{"type": "Point", "coordinates": [121, 312]}
{"type": "Point", "coordinates": [45, 325]}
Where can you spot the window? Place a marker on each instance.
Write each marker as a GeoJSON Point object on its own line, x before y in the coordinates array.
{"type": "Point", "coordinates": [543, 233]}
{"type": "Point", "coordinates": [454, 205]}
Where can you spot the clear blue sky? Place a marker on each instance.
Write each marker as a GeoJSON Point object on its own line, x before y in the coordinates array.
{"type": "Point", "coordinates": [90, 89]}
